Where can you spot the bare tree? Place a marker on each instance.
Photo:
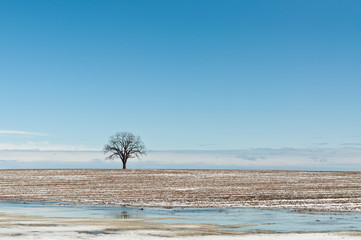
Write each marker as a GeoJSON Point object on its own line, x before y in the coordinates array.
{"type": "Point", "coordinates": [124, 145]}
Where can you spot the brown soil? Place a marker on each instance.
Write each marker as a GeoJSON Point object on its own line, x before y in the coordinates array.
{"type": "Point", "coordinates": [322, 191]}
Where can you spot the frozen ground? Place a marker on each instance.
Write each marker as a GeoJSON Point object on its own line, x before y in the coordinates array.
{"type": "Point", "coordinates": [26, 228]}
{"type": "Point", "coordinates": [320, 191]}
{"type": "Point", "coordinates": [302, 191]}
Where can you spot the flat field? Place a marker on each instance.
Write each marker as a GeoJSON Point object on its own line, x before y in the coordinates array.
{"type": "Point", "coordinates": [303, 190]}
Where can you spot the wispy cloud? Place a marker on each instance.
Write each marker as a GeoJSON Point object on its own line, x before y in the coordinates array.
{"type": "Point", "coordinates": [319, 159]}
{"type": "Point", "coordinates": [320, 143]}
{"type": "Point", "coordinates": [351, 144]}
{"type": "Point", "coordinates": [10, 132]}
{"type": "Point", "coordinates": [207, 145]}
{"type": "Point", "coordinates": [345, 158]}
{"type": "Point", "coordinates": [250, 158]}
{"type": "Point", "coordinates": [42, 146]}
{"type": "Point", "coordinates": [268, 158]}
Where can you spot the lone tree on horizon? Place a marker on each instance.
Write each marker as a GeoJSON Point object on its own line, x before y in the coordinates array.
{"type": "Point", "coordinates": [124, 145]}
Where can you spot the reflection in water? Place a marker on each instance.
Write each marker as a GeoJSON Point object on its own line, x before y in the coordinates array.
{"type": "Point", "coordinates": [250, 219]}
{"type": "Point", "coordinates": [121, 215]}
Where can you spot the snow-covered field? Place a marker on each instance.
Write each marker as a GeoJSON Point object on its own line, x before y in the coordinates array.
{"type": "Point", "coordinates": [301, 191]}
{"type": "Point", "coordinates": [26, 228]}
{"type": "Point", "coordinates": [321, 191]}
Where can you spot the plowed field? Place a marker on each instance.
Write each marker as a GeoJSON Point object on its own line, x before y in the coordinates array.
{"type": "Point", "coordinates": [321, 191]}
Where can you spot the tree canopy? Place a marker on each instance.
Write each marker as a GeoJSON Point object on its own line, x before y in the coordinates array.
{"type": "Point", "coordinates": [124, 145]}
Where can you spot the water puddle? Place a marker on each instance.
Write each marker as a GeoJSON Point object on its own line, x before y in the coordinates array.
{"type": "Point", "coordinates": [238, 219]}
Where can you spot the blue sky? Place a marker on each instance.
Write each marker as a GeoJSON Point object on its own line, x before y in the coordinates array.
{"type": "Point", "coordinates": [184, 75]}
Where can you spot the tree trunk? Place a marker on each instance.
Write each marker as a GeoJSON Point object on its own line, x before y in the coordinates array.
{"type": "Point", "coordinates": [124, 164]}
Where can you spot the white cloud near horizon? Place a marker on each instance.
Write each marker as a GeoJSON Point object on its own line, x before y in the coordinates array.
{"type": "Point", "coordinates": [284, 158]}
{"type": "Point", "coordinates": [318, 158]}
{"type": "Point", "coordinates": [10, 132]}
{"type": "Point", "coordinates": [51, 156]}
